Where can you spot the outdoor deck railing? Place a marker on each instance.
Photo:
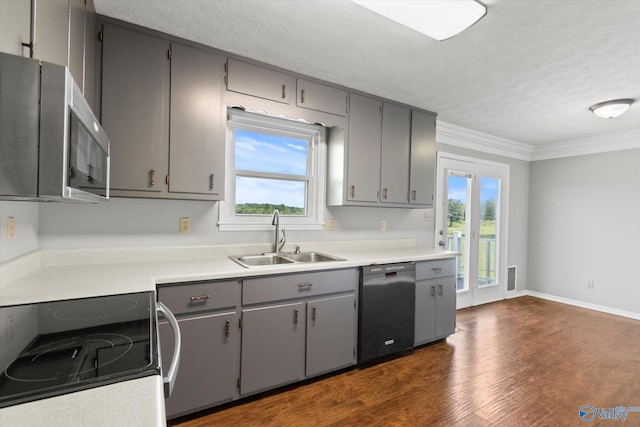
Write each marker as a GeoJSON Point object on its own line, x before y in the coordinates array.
{"type": "Point", "coordinates": [486, 273]}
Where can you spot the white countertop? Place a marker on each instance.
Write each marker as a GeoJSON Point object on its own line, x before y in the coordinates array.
{"type": "Point", "coordinates": [54, 275]}
{"type": "Point", "coordinates": [138, 403]}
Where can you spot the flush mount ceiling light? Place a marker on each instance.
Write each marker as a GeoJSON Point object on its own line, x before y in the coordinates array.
{"type": "Point", "coordinates": [611, 109]}
{"type": "Point", "coordinates": [438, 19]}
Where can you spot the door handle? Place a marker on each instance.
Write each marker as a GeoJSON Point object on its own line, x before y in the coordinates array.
{"type": "Point", "coordinates": [441, 243]}
{"type": "Point", "coordinates": [170, 380]}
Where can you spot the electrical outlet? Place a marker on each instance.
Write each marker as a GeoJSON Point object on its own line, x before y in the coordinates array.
{"type": "Point", "coordinates": [185, 225]}
{"type": "Point", "coordinates": [330, 225]}
{"type": "Point", "coordinates": [590, 284]}
{"type": "Point", "coordinates": [383, 225]}
{"type": "Point", "coordinates": [428, 215]}
{"type": "Point", "coordinates": [11, 228]}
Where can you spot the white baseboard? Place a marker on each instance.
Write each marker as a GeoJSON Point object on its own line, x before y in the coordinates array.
{"type": "Point", "coordinates": [577, 303]}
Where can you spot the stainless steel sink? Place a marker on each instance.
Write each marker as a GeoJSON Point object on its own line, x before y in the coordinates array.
{"type": "Point", "coordinates": [312, 257]}
{"type": "Point", "coordinates": [263, 259]}
{"type": "Point", "coordinates": [283, 258]}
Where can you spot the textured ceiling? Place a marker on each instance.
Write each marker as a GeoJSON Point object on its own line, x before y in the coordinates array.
{"type": "Point", "coordinates": [527, 72]}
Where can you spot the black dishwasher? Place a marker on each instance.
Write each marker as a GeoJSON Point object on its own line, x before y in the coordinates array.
{"type": "Point", "coordinates": [387, 310]}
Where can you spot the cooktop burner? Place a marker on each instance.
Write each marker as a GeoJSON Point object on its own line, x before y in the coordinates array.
{"type": "Point", "coordinates": [64, 346]}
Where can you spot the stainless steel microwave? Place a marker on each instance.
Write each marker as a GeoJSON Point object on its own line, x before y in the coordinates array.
{"type": "Point", "coordinates": [52, 147]}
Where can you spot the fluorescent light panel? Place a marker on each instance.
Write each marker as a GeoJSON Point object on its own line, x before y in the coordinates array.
{"type": "Point", "coordinates": [438, 19]}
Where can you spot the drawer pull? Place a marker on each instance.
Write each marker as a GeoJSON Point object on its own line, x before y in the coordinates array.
{"type": "Point", "coordinates": [436, 269]}
{"type": "Point", "coordinates": [227, 328]}
{"type": "Point", "coordinates": [200, 297]}
{"type": "Point", "coordinates": [305, 285]}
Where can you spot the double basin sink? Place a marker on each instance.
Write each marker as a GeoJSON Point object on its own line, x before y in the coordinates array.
{"type": "Point", "coordinates": [283, 258]}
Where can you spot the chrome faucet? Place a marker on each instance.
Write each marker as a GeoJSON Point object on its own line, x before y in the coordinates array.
{"type": "Point", "coordinates": [278, 244]}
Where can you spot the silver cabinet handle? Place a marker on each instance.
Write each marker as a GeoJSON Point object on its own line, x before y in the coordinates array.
{"type": "Point", "coordinates": [436, 269]}
{"type": "Point", "coordinates": [284, 91]}
{"type": "Point", "coordinates": [314, 312]}
{"type": "Point", "coordinates": [170, 379]}
{"type": "Point", "coordinates": [227, 328]}
{"type": "Point", "coordinates": [152, 178]}
{"type": "Point", "coordinates": [413, 195]}
{"type": "Point", "coordinates": [433, 291]}
{"type": "Point", "coordinates": [295, 316]}
{"type": "Point", "coordinates": [439, 289]}
{"type": "Point", "coordinates": [384, 194]}
{"type": "Point", "coordinates": [353, 191]}
{"type": "Point", "coordinates": [302, 96]}
{"type": "Point", "coordinates": [305, 285]}
{"type": "Point", "coordinates": [211, 181]}
{"type": "Point", "coordinates": [200, 297]}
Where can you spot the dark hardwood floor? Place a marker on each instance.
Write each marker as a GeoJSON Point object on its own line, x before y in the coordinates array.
{"type": "Point", "coordinates": [519, 362]}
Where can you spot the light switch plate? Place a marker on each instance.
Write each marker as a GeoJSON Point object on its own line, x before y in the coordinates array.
{"type": "Point", "coordinates": [330, 225]}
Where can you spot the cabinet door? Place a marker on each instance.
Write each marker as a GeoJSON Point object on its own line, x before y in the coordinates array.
{"type": "Point", "coordinates": [425, 326]}
{"type": "Point", "coordinates": [321, 98]}
{"type": "Point", "coordinates": [208, 367]}
{"type": "Point", "coordinates": [260, 82]}
{"type": "Point", "coordinates": [396, 134]}
{"type": "Point", "coordinates": [134, 104]}
{"type": "Point", "coordinates": [196, 143]}
{"type": "Point", "coordinates": [423, 158]}
{"type": "Point", "coordinates": [76, 41]}
{"type": "Point", "coordinates": [272, 346]}
{"type": "Point", "coordinates": [51, 40]}
{"type": "Point", "coordinates": [331, 334]}
{"type": "Point", "coordinates": [15, 27]}
{"type": "Point", "coordinates": [363, 158]}
{"type": "Point", "coordinates": [445, 307]}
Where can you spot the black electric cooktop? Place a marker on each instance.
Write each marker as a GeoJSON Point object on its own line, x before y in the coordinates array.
{"type": "Point", "coordinates": [58, 347]}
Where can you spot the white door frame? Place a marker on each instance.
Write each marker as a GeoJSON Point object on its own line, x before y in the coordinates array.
{"type": "Point", "coordinates": [488, 293]}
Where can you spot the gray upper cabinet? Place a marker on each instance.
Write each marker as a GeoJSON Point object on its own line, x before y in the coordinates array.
{"type": "Point", "coordinates": [316, 96]}
{"type": "Point", "coordinates": [387, 155]}
{"type": "Point", "coordinates": [135, 69]}
{"type": "Point", "coordinates": [196, 142]}
{"type": "Point", "coordinates": [396, 139]}
{"type": "Point", "coordinates": [423, 158]}
{"type": "Point", "coordinates": [363, 149]}
{"type": "Point", "coordinates": [161, 110]}
{"type": "Point", "coordinates": [261, 82]}
{"type": "Point", "coordinates": [59, 33]}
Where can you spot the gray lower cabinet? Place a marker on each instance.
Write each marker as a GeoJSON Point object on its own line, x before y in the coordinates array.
{"type": "Point", "coordinates": [208, 319]}
{"type": "Point", "coordinates": [272, 346]}
{"type": "Point", "coordinates": [435, 300]}
{"type": "Point", "coordinates": [331, 333]}
{"type": "Point", "coordinates": [301, 325]}
{"type": "Point", "coordinates": [206, 375]}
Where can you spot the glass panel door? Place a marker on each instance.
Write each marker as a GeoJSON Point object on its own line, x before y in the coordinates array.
{"type": "Point", "coordinates": [470, 219]}
{"type": "Point", "coordinates": [459, 226]}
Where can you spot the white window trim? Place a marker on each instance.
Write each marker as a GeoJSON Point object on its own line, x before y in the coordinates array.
{"type": "Point", "coordinates": [254, 120]}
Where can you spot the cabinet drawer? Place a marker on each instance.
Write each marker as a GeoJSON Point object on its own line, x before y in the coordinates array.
{"type": "Point", "coordinates": [289, 286]}
{"type": "Point", "coordinates": [434, 269]}
{"type": "Point", "coordinates": [188, 297]}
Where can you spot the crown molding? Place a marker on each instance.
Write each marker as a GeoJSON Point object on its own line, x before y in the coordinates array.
{"type": "Point", "coordinates": [592, 145]}
{"type": "Point", "coordinates": [447, 133]}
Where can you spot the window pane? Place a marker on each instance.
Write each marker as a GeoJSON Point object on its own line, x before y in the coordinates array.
{"type": "Point", "coordinates": [263, 152]}
{"type": "Point", "coordinates": [458, 195]}
{"type": "Point", "coordinates": [488, 225]}
{"type": "Point", "coordinates": [260, 196]}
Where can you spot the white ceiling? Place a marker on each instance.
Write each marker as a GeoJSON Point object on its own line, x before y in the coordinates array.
{"type": "Point", "coordinates": [527, 72]}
